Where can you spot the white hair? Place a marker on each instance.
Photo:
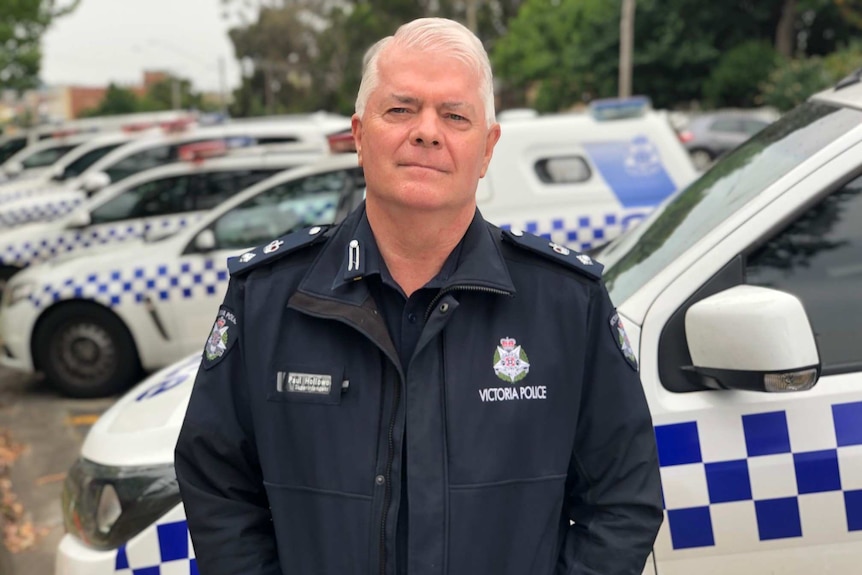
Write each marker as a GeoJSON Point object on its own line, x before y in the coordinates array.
{"type": "Point", "coordinates": [432, 35]}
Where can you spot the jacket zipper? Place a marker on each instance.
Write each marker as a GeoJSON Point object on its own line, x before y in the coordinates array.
{"type": "Point", "coordinates": [387, 487]}
{"type": "Point", "coordinates": [476, 288]}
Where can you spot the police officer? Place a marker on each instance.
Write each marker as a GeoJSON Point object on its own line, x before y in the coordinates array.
{"type": "Point", "coordinates": [416, 391]}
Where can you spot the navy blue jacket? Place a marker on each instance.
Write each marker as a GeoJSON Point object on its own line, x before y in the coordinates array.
{"type": "Point", "coordinates": [530, 447]}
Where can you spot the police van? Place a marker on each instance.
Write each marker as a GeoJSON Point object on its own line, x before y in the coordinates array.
{"type": "Point", "coordinates": [740, 297]}
{"type": "Point", "coordinates": [40, 203]}
{"type": "Point", "coordinates": [154, 202]}
{"type": "Point", "coordinates": [582, 179]}
{"type": "Point", "coordinates": [92, 323]}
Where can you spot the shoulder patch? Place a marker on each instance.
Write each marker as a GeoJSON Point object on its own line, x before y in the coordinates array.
{"type": "Point", "coordinates": [221, 339]}
{"type": "Point", "coordinates": [552, 251]}
{"type": "Point", "coordinates": [275, 249]}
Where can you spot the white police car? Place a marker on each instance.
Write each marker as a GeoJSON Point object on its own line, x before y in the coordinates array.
{"type": "Point", "coordinates": [91, 323]}
{"type": "Point", "coordinates": [716, 290]}
{"type": "Point", "coordinates": [38, 157]}
{"type": "Point", "coordinates": [154, 202]}
{"type": "Point", "coordinates": [48, 201]}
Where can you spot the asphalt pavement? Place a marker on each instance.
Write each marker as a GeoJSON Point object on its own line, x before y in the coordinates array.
{"type": "Point", "coordinates": [50, 430]}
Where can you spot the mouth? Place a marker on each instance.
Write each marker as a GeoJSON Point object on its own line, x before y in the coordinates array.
{"type": "Point", "coordinates": [421, 166]}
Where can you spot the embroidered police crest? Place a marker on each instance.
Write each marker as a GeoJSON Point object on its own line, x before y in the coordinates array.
{"type": "Point", "coordinates": [221, 338]}
{"type": "Point", "coordinates": [619, 333]}
{"type": "Point", "coordinates": [510, 361]}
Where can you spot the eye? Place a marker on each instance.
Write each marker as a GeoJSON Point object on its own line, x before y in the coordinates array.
{"type": "Point", "coordinates": [457, 118]}
{"type": "Point", "coordinates": [398, 110]}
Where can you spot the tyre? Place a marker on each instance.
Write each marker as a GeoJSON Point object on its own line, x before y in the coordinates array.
{"type": "Point", "coordinates": [86, 351]}
{"type": "Point", "coordinates": [702, 159]}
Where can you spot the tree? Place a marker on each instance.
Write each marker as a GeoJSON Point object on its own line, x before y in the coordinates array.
{"type": "Point", "coordinates": [162, 95]}
{"type": "Point", "coordinates": [116, 101]}
{"type": "Point", "coordinates": [22, 24]}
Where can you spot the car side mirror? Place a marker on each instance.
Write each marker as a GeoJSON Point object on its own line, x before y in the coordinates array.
{"type": "Point", "coordinates": [13, 169]}
{"type": "Point", "coordinates": [96, 181]}
{"type": "Point", "coordinates": [205, 241]}
{"type": "Point", "coordinates": [752, 338]}
{"type": "Point", "coordinates": [79, 219]}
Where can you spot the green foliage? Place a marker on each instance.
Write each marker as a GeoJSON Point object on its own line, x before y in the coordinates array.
{"type": "Point", "coordinates": [791, 83]}
{"type": "Point", "coordinates": [563, 50]}
{"type": "Point", "coordinates": [735, 81]}
{"type": "Point", "coordinates": [22, 24]}
{"type": "Point", "coordinates": [117, 100]}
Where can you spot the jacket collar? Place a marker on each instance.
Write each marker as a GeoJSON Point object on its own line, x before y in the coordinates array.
{"type": "Point", "coordinates": [346, 260]}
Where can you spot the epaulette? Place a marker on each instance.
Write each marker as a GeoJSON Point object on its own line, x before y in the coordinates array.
{"type": "Point", "coordinates": [579, 262]}
{"type": "Point", "coordinates": [275, 249]}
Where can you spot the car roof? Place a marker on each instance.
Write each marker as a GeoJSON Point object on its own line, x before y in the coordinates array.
{"type": "Point", "coordinates": [849, 96]}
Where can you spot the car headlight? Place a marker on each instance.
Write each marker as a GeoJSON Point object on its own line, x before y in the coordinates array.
{"type": "Point", "coordinates": [17, 291]}
{"type": "Point", "coordinates": [105, 506]}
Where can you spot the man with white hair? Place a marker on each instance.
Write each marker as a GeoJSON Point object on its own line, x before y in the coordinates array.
{"type": "Point", "coordinates": [415, 391]}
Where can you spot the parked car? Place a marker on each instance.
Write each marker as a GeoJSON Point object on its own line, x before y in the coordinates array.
{"type": "Point", "coordinates": [709, 135]}
{"type": "Point", "coordinates": [738, 295]}
{"type": "Point", "coordinates": [91, 323]}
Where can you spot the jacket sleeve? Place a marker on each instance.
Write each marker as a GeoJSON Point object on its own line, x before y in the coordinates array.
{"type": "Point", "coordinates": [614, 488]}
{"type": "Point", "coordinates": [217, 465]}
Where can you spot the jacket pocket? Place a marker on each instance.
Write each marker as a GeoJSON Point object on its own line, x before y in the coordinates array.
{"type": "Point", "coordinates": [309, 384]}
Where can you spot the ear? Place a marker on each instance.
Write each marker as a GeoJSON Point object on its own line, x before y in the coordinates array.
{"type": "Point", "coordinates": [356, 130]}
{"type": "Point", "coordinates": [490, 141]}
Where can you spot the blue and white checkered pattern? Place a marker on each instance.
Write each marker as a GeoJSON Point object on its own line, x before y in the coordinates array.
{"type": "Point", "coordinates": [162, 282]}
{"type": "Point", "coordinates": [583, 232]}
{"type": "Point", "coordinates": [58, 242]}
{"type": "Point", "coordinates": [165, 550]}
{"type": "Point", "coordinates": [13, 195]}
{"type": "Point", "coordinates": [38, 211]}
{"type": "Point", "coordinates": [769, 476]}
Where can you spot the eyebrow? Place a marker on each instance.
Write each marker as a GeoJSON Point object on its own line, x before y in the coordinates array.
{"type": "Point", "coordinates": [401, 99]}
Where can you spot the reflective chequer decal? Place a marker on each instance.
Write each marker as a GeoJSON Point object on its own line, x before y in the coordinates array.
{"type": "Point", "coordinates": [177, 280]}
{"type": "Point", "coordinates": [37, 211]}
{"type": "Point", "coordinates": [583, 232]}
{"type": "Point", "coordinates": [57, 242]}
{"type": "Point", "coordinates": [734, 482]}
{"type": "Point", "coordinates": [164, 549]}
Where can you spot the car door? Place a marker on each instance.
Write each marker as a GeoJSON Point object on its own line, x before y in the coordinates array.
{"type": "Point", "coordinates": [764, 482]}
{"type": "Point", "coordinates": [312, 200]}
{"type": "Point", "coordinates": [156, 208]}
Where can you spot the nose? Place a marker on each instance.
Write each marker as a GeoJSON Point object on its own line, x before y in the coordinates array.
{"type": "Point", "coordinates": [426, 131]}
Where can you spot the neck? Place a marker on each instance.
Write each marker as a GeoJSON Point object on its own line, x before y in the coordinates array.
{"type": "Point", "coordinates": [415, 245]}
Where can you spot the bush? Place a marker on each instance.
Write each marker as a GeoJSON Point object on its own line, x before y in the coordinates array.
{"type": "Point", "coordinates": [735, 81]}
{"type": "Point", "coordinates": [794, 81]}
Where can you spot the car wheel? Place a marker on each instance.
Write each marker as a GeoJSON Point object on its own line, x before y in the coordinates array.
{"type": "Point", "coordinates": [86, 351]}
{"type": "Point", "coordinates": [701, 159]}
{"type": "Point", "coordinates": [6, 272]}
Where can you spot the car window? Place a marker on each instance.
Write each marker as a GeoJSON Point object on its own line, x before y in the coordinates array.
{"type": "Point", "coordinates": [563, 170]}
{"type": "Point", "coordinates": [726, 125]}
{"type": "Point", "coordinates": [11, 147]}
{"type": "Point", "coordinates": [216, 187]}
{"type": "Point", "coordinates": [751, 127]}
{"type": "Point", "coordinates": [77, 167]}
{"type": "Point", "coordinates": [285, 207]}
{"type": "Point", "coordinates": [155, 198]}
{"type": "Point", "coordinates": [138, 162]}
{"type": "Point", "coordinates": [741, 175]}
{"type": "Point", "coordinates": [818, 258]}
{"type": "Point", "coordinates": [46, 157]}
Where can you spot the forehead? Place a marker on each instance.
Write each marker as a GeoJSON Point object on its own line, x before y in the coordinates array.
{"type": "Point", "coordinates": [411, 72]}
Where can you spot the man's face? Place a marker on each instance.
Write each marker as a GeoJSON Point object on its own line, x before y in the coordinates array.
{"type": "Point", "coordinates": [423, 141]}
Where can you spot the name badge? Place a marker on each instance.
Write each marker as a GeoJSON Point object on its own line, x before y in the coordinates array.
{"type": "Point", "coordinates": [318, 384]}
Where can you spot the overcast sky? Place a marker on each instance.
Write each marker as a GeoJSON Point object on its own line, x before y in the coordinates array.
{"type": "Point", "coordinates": [116, 40]}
